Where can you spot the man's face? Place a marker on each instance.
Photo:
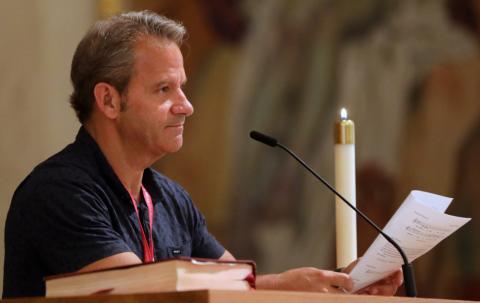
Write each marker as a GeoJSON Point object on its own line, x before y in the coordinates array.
{"type": "Point", "coordinates": [156, 106]}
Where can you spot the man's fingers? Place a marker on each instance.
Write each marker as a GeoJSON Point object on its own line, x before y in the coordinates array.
{"type": "Point", "coordinates": [384, 290]}
{"type": "Point", "coordinates": [336, 290]}
{"type": "Point", "coordinates": [340, 280]}
{"type": "Point", "coordinates": [387, 288]}
{"type": "Point", "coordinates": [366, 291]}
{"type": "Point", "coordinates": [397, 278]}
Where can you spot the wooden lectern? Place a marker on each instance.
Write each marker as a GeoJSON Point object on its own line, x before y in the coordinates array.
{"type": "Point", "coordinates": [222, 296]}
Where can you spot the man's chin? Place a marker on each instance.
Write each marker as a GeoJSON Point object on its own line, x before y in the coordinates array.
{"type": "Point", "coordinates": [173, 148]}
{"type": "Point", "coordinates": [169, 147]}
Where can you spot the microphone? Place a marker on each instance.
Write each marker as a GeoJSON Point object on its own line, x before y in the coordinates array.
{"type": "Point", "coordinates": [408, 276]}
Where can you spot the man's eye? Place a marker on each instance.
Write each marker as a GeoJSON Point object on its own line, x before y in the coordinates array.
{"type": "Point", "coordinates": [165, 89]}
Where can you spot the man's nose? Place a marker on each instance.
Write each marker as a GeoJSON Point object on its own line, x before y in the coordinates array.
{"type": "Point", "coordinates": [182, 106]}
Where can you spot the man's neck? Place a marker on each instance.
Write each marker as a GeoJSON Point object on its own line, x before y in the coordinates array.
{"type": "Point", "coordinates": [126, 163]}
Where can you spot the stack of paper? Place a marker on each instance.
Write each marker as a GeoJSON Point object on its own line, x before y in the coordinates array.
{"type": "Point", "coordinates": [418, 225]}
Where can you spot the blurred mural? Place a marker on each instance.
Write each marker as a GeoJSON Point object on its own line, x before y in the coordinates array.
{"type": "Point", "coordinates": [37, 40]}
{"type": "Point", "coordinates": [408, 72]}
{"type": "Point", "coordinates": [301, 61]}
{"type": "Point", "coordinates": [397, 66]}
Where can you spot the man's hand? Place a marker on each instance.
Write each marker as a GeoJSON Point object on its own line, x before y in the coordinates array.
{"type": "Point", "coordinates": [384, 287]}
{"type": "Point", "coordinates": [317, 280]}
{"type": "Point", "coordinates": [306, 279]}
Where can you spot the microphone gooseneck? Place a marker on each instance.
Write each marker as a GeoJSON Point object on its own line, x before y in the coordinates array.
{"type": "Point", "coordinates": [408, 275]}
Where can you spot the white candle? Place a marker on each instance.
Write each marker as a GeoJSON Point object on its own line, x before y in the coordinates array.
{"type": "Point", "coordinates": [345, 217]}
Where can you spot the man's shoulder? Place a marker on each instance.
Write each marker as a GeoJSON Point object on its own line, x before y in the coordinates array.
{"type": "Point", "coordinates": [61, 170]}
{"type": "Point", "coordinates": [57, 185]}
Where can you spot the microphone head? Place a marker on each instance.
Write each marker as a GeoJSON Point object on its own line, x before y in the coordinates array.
{"type": "Point", "coordinates": [263, 138]}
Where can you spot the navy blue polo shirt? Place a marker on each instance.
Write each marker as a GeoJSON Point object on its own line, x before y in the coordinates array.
{"type": "Point", "coordinates": [73, 210]}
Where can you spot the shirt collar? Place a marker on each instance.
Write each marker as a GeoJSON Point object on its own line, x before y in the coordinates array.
{"type": "Point", "coordinates": [88, 144]}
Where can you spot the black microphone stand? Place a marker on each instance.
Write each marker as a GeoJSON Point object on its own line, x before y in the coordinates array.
{"type": "Point", "coordinates": [407, 268]}
{"type": "Point", "coordinates": [408, 275]}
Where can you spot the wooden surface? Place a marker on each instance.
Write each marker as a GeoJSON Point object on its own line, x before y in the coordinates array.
{"type": "Point", "coordinates": [214, 296]}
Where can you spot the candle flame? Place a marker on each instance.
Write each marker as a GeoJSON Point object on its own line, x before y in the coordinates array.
{"type": "Point", "coordinates": [343, 114]}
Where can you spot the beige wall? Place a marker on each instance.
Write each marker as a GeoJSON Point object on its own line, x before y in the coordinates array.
{"type": "Point", "coordinates": [37, 40]}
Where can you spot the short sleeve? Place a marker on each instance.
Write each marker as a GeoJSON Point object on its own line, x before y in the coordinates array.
{"type": "Point", "coordinates": [70, 226]}
{"type": "Point", "coordinates": [204, 244]}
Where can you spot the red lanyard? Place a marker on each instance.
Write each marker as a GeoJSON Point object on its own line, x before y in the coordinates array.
{"type": "Point", "coordinates": [148, 254]}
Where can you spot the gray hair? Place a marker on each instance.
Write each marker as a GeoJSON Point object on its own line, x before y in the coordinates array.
{"type": "Point", "coordinates": [106, 54]}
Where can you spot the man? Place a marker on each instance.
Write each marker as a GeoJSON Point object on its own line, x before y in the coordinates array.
{"type": "Point", "coordinates": [97, 204]}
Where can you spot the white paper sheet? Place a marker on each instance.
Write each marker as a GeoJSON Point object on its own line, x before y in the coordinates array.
{"type": "Point", "coordinates": [418, 225]}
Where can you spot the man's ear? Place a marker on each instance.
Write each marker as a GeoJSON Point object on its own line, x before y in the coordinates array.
{"type": "Point", "coordinates": [107, 100]}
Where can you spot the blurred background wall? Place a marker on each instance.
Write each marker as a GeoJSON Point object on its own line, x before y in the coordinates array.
{"type": "Point", "coordinates": [37, 39]}
{"type": "Point", "coordinates": [408, 72]}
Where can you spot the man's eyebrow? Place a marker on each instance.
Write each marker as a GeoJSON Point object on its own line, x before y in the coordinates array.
{"type": "Point", "coordinates": [160, 83]}
{"type": "Point", "coordinates": [166, 81]}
